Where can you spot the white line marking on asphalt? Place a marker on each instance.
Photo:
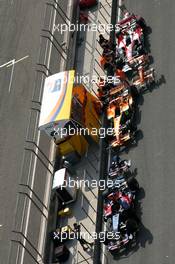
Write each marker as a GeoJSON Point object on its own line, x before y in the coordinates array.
{"type": "Point", "coordinates": [11, 76]}
{"type": "Point", "coordinates": [12, 63]}
{"type": "Point", "coordinates": [29, 205]}
{"type": "Point", "coordinates": [5, 64]}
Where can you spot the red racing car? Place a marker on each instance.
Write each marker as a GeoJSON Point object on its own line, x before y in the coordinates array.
{"type": "Point", "coordinates": [130, 36]}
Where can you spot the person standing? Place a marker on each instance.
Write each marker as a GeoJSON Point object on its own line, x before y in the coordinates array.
{"type": "Point", "coordinates": [85, 244]}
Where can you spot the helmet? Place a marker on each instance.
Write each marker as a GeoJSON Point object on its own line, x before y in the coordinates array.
{"type": "Point", "coordinates": [124, 202]}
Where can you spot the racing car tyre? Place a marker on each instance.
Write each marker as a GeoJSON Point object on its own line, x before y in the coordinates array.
{"type": "Point", "coordinates": [132, 226]}
{"type": "Point", "coordinates": [105, 193]}
{"type": "Point", "coordinates": [134, 92]}
{"type": "Point", "coordinates": [141, 22]}
{"type": "Point", "coordinates": [133, 184]}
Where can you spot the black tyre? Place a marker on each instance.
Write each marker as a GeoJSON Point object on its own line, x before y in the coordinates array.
{"type": "Point", "coordinates": [133, 184]}
{"type": "Point", "coordinates": [132, 226]}
{"type": "Point", "coordinates": [106, 193]}
{"type": "Point", "coordinates": [141, 22]}
{"type": "Point", "coordinates": [115, 208]}
{"type": "Point", "coordinates": [134, 92]}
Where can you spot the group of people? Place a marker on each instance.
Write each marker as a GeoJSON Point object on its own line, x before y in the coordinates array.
{"type": "Point", "coordinates": [61, 235]}
{"type": "Point", "coordinates": [119, 103]}
{"type": "Point", "coordinates": [128, 226]}
{"type": "Point", "coordinates": [128, 61]}
{"type": "Point", "coordinates": [119, 207]}
{"type": "Point", "coordinates": [86, 245]}
{"type": "Point", "coordinates": [128, 57]}
{"type": "Point", "coordinates": [129, 36]}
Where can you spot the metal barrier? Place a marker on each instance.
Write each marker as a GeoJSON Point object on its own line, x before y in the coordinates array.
{"type": "Point", "coordinates": [27, 186]}
{"type": "Point", "coordinates": [95, 196]}
{"type": "Point", "coordinates": [34, 143]}
{"type": "Point", "coordinates": [39, 159]}
{"type": "Point", "coordinates": [27, 192]}
{"type": "Point", "coordinates": [86, 229]}
{"type": "Point", "coordinates": [57, 10]}
{"type": "Point", "coordinates": [92, 165]}
{"type": "Point", "coordinates": [103, 6]}
{"type": "Point", "coordinates": [89, 175]}
{"type": "Point", "coordinates": [82, 207]}
{"type": "Point", "coordinates": [21, 234]}
{"type": "Point", "coordinates": [103, 154]}
{"type": "Point", "coordinates": [28, 251]}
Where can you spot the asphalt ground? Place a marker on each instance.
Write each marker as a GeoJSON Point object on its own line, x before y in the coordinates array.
{"type": "Point", "coordinates": [21, 22]}
{"type": "Point", "coordinates": [154, 155]}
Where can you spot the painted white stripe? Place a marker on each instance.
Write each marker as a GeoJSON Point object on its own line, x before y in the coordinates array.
{"type": "Point", "coordinates": [11, 76]}
{"type": "Point", "coordinates": [14, 61]}
{"type": "Point", "coordinates": [9, 64]}
{"type": "Point", "coordinates": [29, 207]}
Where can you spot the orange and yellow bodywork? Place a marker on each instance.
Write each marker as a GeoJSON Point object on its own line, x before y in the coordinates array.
{"type": "Point", "coordinates": [64, 103]}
